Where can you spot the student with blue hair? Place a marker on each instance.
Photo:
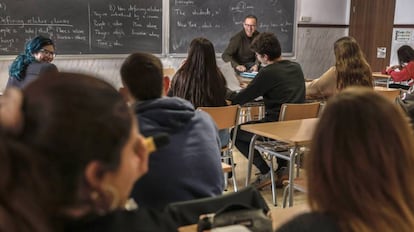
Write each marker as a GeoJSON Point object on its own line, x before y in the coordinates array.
{"type": "Point", "coordinates": [35, 60]}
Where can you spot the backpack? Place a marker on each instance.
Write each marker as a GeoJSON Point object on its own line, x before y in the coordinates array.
{"type": "Point", "coordinates": [406, 101]}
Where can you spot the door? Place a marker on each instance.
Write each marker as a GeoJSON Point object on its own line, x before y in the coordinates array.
{"type": "Point", "coordinates": [371, 24]}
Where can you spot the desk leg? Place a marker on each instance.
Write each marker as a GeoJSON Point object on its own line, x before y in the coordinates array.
{"type": "Point", "coordinates": [291, 171]}
{"type": "Point", "coordinates": [250, 158]}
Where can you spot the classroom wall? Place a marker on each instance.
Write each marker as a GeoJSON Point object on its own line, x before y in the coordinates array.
{"type": "Point", "coordinates": [402, 36]}
{"type": "Point", "coordinates": [313, 47]}
{"type": "Point", "coordinates": [404, 12]}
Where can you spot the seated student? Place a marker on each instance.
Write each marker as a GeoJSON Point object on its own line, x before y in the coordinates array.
{"type": "Point", "coordinates": [359, 179]}
{"type": "Point", "coordinates": [405, 70]}
{"type": "Point", "coordinates": [200, 81]}
{"type": "Point", "coordinates": [279, 81]}
{"type": "Point", "coordinates": [189, 167]}
{"type": "Point", "coordinates": [38, 54]}
{"type": "Point", "coordinates": [351, 68]}
{"type": "Point", "coordinates": [75, 145]}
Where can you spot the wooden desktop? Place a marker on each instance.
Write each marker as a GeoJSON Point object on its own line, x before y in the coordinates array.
{"type": "Point", "coordinates": [295, 132]}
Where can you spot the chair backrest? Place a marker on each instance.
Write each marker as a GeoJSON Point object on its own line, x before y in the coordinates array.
{"type": "Point", "coordinates": [225, 117]}
{"type": "Point", "coordinates": [388, 92]}
{"type": "Point", "coordinates": [169, 72]}
{"type": "Point", "coordinates": [296, 111]}
{"type": "Point", "coordinates": [188, 212]}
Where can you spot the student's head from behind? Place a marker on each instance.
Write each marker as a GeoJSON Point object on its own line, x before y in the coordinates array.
{"type": "Point", "coordinates": [142, 75]}
{"type": "Point", "coordinates": [199, 80]}
{"type": "Point", "coordinates": [351, 66]}
{"type": "Point", "coordinates": [250, 25]}
{"type": "Point", "coordinates": [41, 48]}
{"type": "Point", "coordinates": [405, 54]}
{"type": "Point", "coordinates": [347, 48]}
{"type": "Point", "coordinates": [87, 134]}
{"type": "Point", "coordinates": [266, 46]}
{"type": "Point", "coordinates": [361, 163]}
{"type": "Point", "coordinates": [201, 52]}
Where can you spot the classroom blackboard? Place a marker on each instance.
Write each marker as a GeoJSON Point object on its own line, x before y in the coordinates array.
{"type": "Point", "coordinates": [83, 26]}
{"type": "Point", "coordinates": [219, 20]}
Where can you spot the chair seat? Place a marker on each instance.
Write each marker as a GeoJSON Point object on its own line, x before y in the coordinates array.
{"type": "Point", "coordinates": [225, 167]}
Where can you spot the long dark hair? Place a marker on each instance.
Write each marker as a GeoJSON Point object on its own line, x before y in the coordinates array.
{"type": "Point", "coordinates": [199, 80]}
{"type": "Point", "coordinates": [19, 65]}
{"type": "Point", "coordinates": [69, 121]}
{"type": "Point", "coordinates": [405, 54]}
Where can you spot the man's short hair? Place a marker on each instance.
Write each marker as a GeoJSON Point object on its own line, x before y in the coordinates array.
{"type": "Point", "coordinates": [250, 16]}
{"type": "Point", "coordinates": [142, 74]}
{"type": "Point", "coordinates": [266, 43]}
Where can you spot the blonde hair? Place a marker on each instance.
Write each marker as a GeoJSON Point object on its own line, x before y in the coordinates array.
{"type": "Point", "coordinates": [361, 163]}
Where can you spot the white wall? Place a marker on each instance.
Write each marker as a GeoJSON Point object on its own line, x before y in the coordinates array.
{"type": "Point", "coordinates": [403, 15]}
{"type": "Point", "coordinates": [325, 11]}
{"type": "Point", "coordinates": [314, 50]}
{"type": "Point", "coordinates": [404, 10]}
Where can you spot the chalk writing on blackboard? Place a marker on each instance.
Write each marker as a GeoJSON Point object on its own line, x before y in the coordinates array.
{"type": "Point", "coordinates": [91, 27]}
{"type": "Point", "coordinates": [219, 20]}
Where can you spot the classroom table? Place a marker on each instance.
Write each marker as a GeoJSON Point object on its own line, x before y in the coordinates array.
{"type": "Point", "coordinates": [381, 79]}
{"type": "Point", "coordinates": [279, 217]}
{"type": "Point", "coordinates": [296, 133]}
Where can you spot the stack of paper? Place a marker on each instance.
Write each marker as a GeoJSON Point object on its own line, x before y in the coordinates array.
{"type": "Point", "coordinates": [248, 74]}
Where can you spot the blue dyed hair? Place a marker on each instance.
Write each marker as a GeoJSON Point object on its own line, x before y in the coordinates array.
{"type": "Point", "coordinates": [19, 65]}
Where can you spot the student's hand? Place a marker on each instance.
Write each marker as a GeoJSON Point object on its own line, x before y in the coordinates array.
{"type": "Point", "coordinates": [254, 68]}
{"type": "Point", "coordinates": [243, 84]}
{"type": "Point", "coordinates": [241, 68]}
{"type": "Point", "coordinates": [389, 69]}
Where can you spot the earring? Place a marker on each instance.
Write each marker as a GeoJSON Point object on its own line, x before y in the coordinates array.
{"type": "Point", "coordinates": [112, 197]}
{"type": "Point", "coordinates": [94, 195]}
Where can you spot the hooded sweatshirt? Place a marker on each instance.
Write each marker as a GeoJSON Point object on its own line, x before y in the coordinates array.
{"type": "Point", "coordinates": [189, 167]}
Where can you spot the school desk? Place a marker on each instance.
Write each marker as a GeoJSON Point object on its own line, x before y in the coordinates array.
{"type": "Point", "coordinates": [296, 133]}
{"type": "Point", "coordinates": [381, 79]}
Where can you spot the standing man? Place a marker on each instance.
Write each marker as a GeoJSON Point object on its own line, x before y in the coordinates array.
{"type": "Point", "coordinates": [238, 51]}
{"type": "Point", "coordinates": [278, 81]}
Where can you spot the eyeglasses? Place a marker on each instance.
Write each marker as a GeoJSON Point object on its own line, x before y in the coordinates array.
{"type": "Point", "coordinates": [47, 52]}
{"type": "Point", "coordinates": [249, 25]}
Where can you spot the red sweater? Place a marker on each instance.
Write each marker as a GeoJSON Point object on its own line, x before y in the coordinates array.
{"type": "Point", "coordinates": [405, 74]}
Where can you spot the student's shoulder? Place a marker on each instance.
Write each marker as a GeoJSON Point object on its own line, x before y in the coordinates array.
{"type": "Point", "coordinates": [36, 66]}
{"type": "Point", "coordinates": [237, 36]}
{"type": "Point", "coordinates": [312, 221]}
{"type": "Point", "coordinates": [410, 64]}
{"type": "Point", "coordinates": [122, 220]}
